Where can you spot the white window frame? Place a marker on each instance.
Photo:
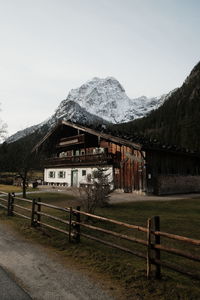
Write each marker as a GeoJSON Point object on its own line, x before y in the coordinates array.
{"type": "Point", "coordinates": [63, 174]}
{"type": "Point", "coordinates": [52, 174]}
{"type": "Point", "coordinates": [85, 173]}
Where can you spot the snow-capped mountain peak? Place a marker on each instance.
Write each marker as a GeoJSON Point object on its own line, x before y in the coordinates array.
{"type": "Point", "coordinates": [98, 100]}
{"type": "Point", "coordinates": [106, 98]}
{"type": "Point", "coordinates": [103, 97]}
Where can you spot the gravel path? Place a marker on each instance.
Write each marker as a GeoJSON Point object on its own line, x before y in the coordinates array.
{"type": "Point", "coordinates": [41, 274]}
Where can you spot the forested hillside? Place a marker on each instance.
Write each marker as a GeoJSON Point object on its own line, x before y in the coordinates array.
{"type": "Point", "coordinates": [17, 155]}
{"type": "Point", "coordinates": [177, 121]}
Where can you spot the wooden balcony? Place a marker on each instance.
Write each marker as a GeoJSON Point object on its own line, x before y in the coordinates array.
{"type": "Point", "coordinates": [80, 160]}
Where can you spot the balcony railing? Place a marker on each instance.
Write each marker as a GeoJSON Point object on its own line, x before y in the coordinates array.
{"type": "Point", "coordinates": [92, 159]}
{"type": "Point", "coordinates": [72, 140]}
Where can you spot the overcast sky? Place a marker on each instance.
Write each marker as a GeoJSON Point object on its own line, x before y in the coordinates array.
{"type": "Point", "coordinates": [48, 47]}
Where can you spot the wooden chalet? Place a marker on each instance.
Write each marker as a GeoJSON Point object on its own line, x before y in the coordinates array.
{"type": "Point", "coordinates": [74, 152]}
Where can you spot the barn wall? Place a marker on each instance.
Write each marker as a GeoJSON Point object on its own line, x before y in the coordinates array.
{"type": "Point", "coordinates": [166, 185]}
{"type": "Point", "coordinates": [170, 173]}
{"type": "Point", "coordinates": [165, 163]}
{"type": "Point", "coordinates": [129, 170]}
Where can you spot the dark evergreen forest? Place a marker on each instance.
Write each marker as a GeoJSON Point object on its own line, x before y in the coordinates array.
{"type": "Point", "coordinates": [176, 122]}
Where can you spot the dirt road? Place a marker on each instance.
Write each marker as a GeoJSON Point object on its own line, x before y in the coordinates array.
{"type": "Point", "coordinates": [41, 274]}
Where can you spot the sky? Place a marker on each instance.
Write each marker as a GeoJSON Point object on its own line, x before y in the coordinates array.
{"type": "Point", "coordinates": [48, 47]}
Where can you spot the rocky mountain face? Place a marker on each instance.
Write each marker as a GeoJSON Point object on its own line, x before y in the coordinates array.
{"type": "Point", "coordinates": [107, 98]}
{"type": "Point", "coordinates": [98, 100]}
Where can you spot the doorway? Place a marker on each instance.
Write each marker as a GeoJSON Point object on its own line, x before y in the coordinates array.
{"type": "Point", "coordinates": [74, 178]}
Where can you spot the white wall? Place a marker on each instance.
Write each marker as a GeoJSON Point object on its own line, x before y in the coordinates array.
{"type": "Point", "coordinates": [67, 179]}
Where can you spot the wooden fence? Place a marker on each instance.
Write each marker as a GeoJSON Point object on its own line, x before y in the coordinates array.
{"type": "Point", "coordinates": [74, 230]}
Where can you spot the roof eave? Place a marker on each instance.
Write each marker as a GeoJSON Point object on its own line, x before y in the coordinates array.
{"type": "Point", "coordinates": [106, 136]}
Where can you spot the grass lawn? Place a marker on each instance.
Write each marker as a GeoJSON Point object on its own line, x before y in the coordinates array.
{"type": "Point", "coordinates": [179, 217]}
{"type": "Point", "coordinates": [13, 188]}
{"type": "Point", "coordinates": [10, 188]}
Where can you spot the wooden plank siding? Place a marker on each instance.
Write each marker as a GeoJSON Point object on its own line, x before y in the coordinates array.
{"type": "Point", "coordinates": [128, 171]}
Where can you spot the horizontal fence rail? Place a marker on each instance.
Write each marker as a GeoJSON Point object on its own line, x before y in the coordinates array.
{"type": "Point", "coordinates": [53, 217]}
{"type": "Point", "coordinates": [4, 193]}
{"type": "Point", "coordinates": [53, 206]}
{"type": "Point", "coordinates": [139, 228]}
{"type": "Point", "coordinates": [53, 227]}
{"type": "Point", "coordinates": [122, 236]}
{"type": "Point", "coordinates": [177, 252]}
{"type": "Point", "coordinates": [176, 268]}
{"type": "Point", "coordinates": [114, 246]}
{"type": "Point", "coordinates": [177, 237]}
{"type": "Point", "coordinates": [32, 210]}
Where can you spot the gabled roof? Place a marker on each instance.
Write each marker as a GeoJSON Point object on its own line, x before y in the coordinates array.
{"type": "Point", "coordinates": [117, 140]}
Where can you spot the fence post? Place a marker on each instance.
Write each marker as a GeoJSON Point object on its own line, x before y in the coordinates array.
{"type": "Point", "coordinates": [157, 242]}
{"type": "Point", "coordinates": [70, 223]}
{"type": "Point", "coordinates": [148, 248]}
{"type": "Point", "coordinates": [10, 204]}
{"type": "Point", "coordinates": [33, 221]}
{"type": "Point", "coordinates": [8, 207]}
{"type": "Point", "coordinates": [38, 210]}
{"type": "Point", "coordinates": [78, 219]}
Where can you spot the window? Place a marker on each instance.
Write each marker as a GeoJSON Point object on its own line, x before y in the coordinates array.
{"type": "Point", "coordinates": [98, 150]}
{"type": "Point", "coordinates": [83, 172]}
{"type": "Point", "coordinates": [77, 153]}
{"type": "Point", "coordinates": [61, 174]}
{"type": "Point", "coordinates": [52, 174]}
{"type": "Point", "coordinates": [63, 154]}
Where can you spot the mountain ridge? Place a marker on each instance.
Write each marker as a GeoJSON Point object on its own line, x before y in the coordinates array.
{"type": "Point", "coordinates": [99, 100]}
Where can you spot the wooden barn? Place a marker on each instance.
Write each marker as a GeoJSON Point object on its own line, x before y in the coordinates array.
{"type": "Point", "coordinates": [74, 152]}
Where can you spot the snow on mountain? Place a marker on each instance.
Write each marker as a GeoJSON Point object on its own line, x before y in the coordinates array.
{"type": "Point", "coordinates": [98, 100]}
{"type": "Point", "coordinates": [73, 112]}
{"type": "Point", "coordinates": [22, 133]}
{"type": "Point", "coordinates": [107, 99]}
{"type": "Point", "coordinates": [69, 111]}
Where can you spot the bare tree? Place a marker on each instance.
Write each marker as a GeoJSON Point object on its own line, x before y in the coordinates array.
{"type": "Point", "coordinates": [95, 193]}
{"type": "Point", "coordinates": [24, 161]}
